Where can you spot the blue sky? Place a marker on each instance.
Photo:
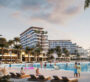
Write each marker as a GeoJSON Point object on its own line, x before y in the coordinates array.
{"type": "Point", "coordinates": [63, 19]}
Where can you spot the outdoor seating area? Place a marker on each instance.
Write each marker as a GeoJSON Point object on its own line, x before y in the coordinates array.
{"type": "Point", "coordinates": [30, 75]}
{"type": "Point", "coordinates": [40, 78]}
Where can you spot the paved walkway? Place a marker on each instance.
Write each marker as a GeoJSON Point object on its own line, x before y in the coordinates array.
{"type": "Point", "coordinates": [85, 77]}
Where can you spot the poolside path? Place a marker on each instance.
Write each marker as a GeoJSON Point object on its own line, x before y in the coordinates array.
{"type": "Point", "coordinates": [85, 77]}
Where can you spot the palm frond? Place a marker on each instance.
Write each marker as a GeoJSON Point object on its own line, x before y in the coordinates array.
{"type": "Point", "coordinates": [87, 4]}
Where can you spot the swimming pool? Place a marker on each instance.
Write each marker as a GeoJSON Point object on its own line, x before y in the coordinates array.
{"type": "Point", "coordinates": [85, 66]}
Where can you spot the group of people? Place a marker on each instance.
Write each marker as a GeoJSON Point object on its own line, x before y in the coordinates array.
{"type": "Point", "coordinates": [23, 73]}
{"type": "Point", "coordinates": [41, 64]}
{"type": "Point", "coordinates": [77, 69]}
{"type": "Point", "coordinates": [45, 65]}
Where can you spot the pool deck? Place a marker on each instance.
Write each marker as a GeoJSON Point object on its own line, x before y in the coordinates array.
{"type": "Point", "coordinates": [85, 77]}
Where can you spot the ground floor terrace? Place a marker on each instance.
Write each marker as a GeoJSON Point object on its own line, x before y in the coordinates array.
{"type": "Point", "coordinates": [85, 77]}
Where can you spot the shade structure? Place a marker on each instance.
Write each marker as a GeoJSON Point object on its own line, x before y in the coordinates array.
{"type": "Point", "coordinates": [55, 55]}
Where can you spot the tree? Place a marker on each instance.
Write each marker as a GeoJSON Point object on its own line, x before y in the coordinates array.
{"type": "Point", "coordinates": [58, 51]}
{"type": "Point", "coordinates": [3, 43]}
{"type": "Point", "coordinates": [50, 52]}
{"type": "Point", "coordinates": [76, 51]}
{"type": "Point", "coordinates": [17, 46]}
{"type": "Point", "coordinates": [10, 43]}
{"type": "Point", "coordinates": [77, 54]}
{"type": "Point", "coordinates": [28, 50]}
{"type": "Point", "coordinates": [66, 52]}
{"type": "Point", "coordinates": [18, 49]}
{"type": "Point", "coordinates": [37, 51]}
{"type": "Point", "coordinates": [16, 40]}
{"type": "Point", "coordinates": [87, 3]}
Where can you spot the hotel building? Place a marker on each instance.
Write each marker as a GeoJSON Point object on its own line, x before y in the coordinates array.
{"type": "Point", "coordinates": [33, 36]}
{"type": "Point", "coordinates": [36, 35]}
{"type": "Point", "coordinates": [71, 47]}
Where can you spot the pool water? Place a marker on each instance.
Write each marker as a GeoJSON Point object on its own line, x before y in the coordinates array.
{"type": "Point", "coordinates": [85, 67]}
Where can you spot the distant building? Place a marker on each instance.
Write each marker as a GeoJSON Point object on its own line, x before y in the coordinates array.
{"type": "Point", "coordinates": [71, 47]}
{"type": "Point", "coordinates": [82, 51]}
{"type": "Point", "coordinates": [36, 35]}
{"type": "Point", "coordinates": [33, 36]}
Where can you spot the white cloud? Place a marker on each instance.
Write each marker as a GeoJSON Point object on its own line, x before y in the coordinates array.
{"type": "Point", "coordinates": [55, 11]}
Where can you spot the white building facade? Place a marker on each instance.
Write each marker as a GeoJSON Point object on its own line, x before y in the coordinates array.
{"type": "Point", "coordinates": [33, 36]}
{"type": "Point", "coordinates": [71, 47]}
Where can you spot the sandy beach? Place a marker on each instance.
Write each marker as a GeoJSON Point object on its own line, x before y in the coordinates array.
{"type": "Point", "coordinates": [85, 77]}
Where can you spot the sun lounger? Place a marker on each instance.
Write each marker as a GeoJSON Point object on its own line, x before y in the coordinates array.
{"type": "Point", "coordinates": [22, 76]}
{"type": "Point", "coordinates": [56, 79]}
{"type": "Point", "coordinates": [13, 75]}
{"type": "Point", "coordinates": [65, 79]}
{"type": "Point", "coordinates": [33, 78]}
{"type": "Point", "coordinates": [5, 78]}
{"type": "Point", "coordinates": [41, 77]}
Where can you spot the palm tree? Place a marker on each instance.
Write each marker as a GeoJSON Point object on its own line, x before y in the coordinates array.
{"type": "Point", "coordinates": [66, 52]}
{"type": "Point", "coordinates": [18, 49]}
{"type": "Point", "coordinates": [77, 54]}
{"type": "Point", "coordinates": [16, 40]}
{"type": "Point", "coordinates": [28, 50]}
{"type": "Point", "coordinates": [50, 52]}
{"type": "Point", "coordinates": [17, 46]}
{"type": "Point", "coordinates": [10, 43]}
{"type": "Point", "coordinates": [76, 51]}
{"type": "Point", "coordinates": [3, 43]}
{"type": "Point", "coordinates": [0, 35]}
{"type": "Point", "coordinates": [58, 51]}
{"type": "Point", "coordinates": [37, 51]}
{"type": "Point", "coordinates": [87, 3]}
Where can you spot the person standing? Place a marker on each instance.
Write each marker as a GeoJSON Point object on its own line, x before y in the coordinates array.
{"type": "Point", "coordinates": [10, 65]}
{"type": "Point", "coordinates": [75, 70]}
{"type": "Point", "coordinates": [45, 65]}
{"type": "Point", "coordinates": [41, 64]}
{"type": "Point", "coordinates": [79, 69]}
{"type": "Point", "coordinates": [50, 65]}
